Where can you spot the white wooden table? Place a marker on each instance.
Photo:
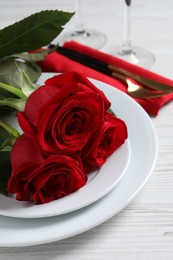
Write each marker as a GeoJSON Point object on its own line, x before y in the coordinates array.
{"type": "Point", "coordinates": [144, 229]}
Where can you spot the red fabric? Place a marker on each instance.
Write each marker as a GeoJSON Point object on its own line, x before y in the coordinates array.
{"type": "Point", "coordinates": [56, 62]}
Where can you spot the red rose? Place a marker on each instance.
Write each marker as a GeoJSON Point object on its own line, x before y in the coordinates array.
{"type": "Point", "coordinates": [112, 135]}
{"type": "Point", "coordinates": [42, 179]}
{"type": "Point", "coordinates": [64, 113]}
{"type": "Point", "coordinates": [77, 78]}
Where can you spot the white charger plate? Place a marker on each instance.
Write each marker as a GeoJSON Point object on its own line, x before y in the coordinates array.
{"type": "Point", "coordinates": [100, 182]}
{"type": "Point", "coordinates": [143, 142]}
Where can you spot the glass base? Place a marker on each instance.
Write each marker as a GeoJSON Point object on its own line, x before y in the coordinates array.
{"type": "Point", "coordinates": [91, 38]}
{"type": "Point", "coordinates": [137, 56]}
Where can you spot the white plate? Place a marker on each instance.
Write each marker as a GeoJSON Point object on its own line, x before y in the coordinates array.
{"type": "Point", "coordinates": [100, 182]}
{"type": "Point", "coordinates": [25, 232]}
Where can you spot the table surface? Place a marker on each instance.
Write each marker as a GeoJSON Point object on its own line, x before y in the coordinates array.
{"type": "Point", "coordinates": [144, 229]}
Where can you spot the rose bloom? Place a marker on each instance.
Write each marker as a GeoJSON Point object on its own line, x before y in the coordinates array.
{"type": "Point", "coordinates": [64, 113]}
{"type": "Point", "coordinates": [111, 136]}
{"type": "Point", "coordinates": [42, 179]}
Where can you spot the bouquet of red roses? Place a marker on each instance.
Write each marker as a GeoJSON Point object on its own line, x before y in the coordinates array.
{"type": "Point", "coordinates": [67, 130]}
{"type": "Point", "coordinates": [65, 126]}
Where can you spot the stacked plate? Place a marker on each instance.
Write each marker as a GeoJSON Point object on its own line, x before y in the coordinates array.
{"type": "Point", "coordinates": [107, 191]}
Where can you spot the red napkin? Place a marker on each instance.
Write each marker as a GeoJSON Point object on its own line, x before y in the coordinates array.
{"type": "Point", "coordinates": [56, 62]}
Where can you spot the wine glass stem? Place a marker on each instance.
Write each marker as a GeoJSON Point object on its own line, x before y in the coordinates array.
{"type": "Point", "coordinates": [79, 28]}
{"type": "Point", "coordinates": [126, 47]}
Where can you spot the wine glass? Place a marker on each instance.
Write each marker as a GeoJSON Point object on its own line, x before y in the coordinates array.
{"type": "Point", "coordinates": [126, 51]}
{"type": "Point", "coordinates": [89, 37]}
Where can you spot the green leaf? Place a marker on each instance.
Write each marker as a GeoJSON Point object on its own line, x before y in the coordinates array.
{"type": "Point", "coordinates": [16, 103]}
{"type": "Point", "coordinates": [32, 32]}
{"type": "Point", "coordinates": [13, 90]}
{"type": "Point", "coordinates": [32, 57]}
{"type": "Point", "coordinates": [26, 85]}
{"type": "Point", "coordinates": [7, 140]}
{"type": "Point", "coordinates": [4, 135]}
{"type": "Point", "coordinates": [7, 132]}
{"type": "Point", "coordinates": [36, 70]}
{"type": "Point", "coordinates": [5, 170]}
{"type": "Point", "coordinates": [5, 110]}
{"type": "Point", "coordinates": [6, 95]}
{"type": "Point", "coordinates": [10, 74]}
